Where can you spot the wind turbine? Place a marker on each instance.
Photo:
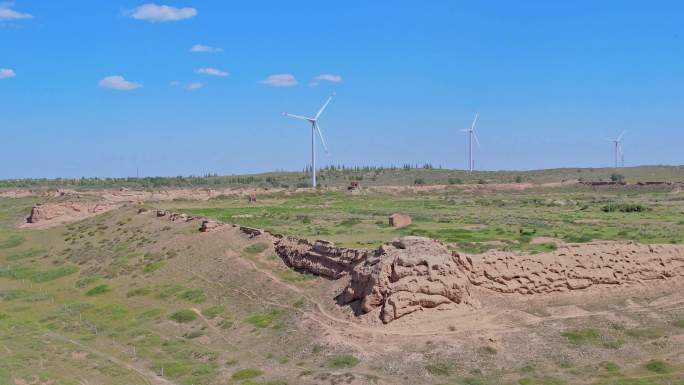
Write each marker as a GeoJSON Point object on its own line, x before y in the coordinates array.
{"type": "Point", "coordinates": [618, 149]}
{"type": "Point", "coordinates": [472, 135]}
{"type": "Point", "coordinates": [314, 129]}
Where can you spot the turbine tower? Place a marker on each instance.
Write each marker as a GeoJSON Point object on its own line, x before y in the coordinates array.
{"type": "Point", "coordinates": [471, 135]}
{"type": "Point", "coordinates": [617, 143]}
{"type": "Point", "coordinates": [315, 128]}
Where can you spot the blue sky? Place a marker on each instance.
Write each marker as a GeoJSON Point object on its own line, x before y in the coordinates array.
{"type": "Point", "coordinates": [552, 80]}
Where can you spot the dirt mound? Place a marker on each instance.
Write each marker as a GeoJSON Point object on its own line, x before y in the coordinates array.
{"type": "Point", "coordinates": [52, 214]}
{"type": "Point", "coordinates": [574, 266]}
{"type": "Point", "coordinates": [407, 275]}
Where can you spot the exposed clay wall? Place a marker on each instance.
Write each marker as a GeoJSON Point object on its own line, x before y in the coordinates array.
{"type": "Point", "coordinates": [574, 267]}
{"type": "Point", "coordinates": [52, 214]}
{"type": "Point", "coordinates": [320, 257]}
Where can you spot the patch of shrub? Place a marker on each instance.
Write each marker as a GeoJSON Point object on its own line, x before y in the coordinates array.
{"type": "Point", "coordinates": [183, 316]}
{"type": "Point", "coordinates": [624, 208]}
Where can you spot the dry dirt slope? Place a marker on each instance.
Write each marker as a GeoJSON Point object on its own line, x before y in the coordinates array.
{"type": "Point", "coordinates": [131, 311]}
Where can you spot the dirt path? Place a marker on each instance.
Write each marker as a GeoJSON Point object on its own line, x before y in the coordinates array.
{"type": "Point", "coordinates": [147, 375]}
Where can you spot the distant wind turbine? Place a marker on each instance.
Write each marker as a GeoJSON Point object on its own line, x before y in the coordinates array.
{"type": "Point", "coordinates": [618, 149]}
{"type": "Point", "coordinates": [314, 129]}
{"type": "Point", "coordinates": [472, 135]}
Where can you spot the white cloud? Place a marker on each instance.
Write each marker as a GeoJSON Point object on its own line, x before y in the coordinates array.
{"type": "Point", "coordinates": [195, 86]}
{"type": "Point", "coordinates": [7, 13]}
{"type": "Point", "coordinates": [159, 13]}
{"type": "Point", "coordinates": [329, 78]}
{"type": "Point", "coordinates": [6, 73]}
{"type": "Point", "coordinates": [174, 83]}
{"type": "Point", "coordinates": [117, 82]}
{"type": "Point", "coordinates": [205, 49]}
{"type": "Point", "coordinates": [211, 72]}
{"type": "Point", "coordinates": [280, 80]}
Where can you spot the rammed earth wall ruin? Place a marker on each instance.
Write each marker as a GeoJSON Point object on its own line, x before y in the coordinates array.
{"type": "Point", "coordinates": [414, 273]}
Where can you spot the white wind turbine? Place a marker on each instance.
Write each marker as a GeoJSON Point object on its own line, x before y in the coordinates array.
{"type": "Point", "coordinates": [314, 128]}
{"type": "Point", "coordinates": [618, 149]}
{"type": "Point", "coordinates": [472, 135]}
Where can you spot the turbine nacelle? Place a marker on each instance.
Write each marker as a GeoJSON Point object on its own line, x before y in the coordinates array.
{"type": "Point", "coordinates": [315, 128]}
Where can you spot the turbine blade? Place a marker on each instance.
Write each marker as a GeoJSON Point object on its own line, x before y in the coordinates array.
{"type": "Point", "coordinates": [620, 137]}
{"type": "Point", "coordinates": [320, 134]}
{"type": "Point", "coordinates": [323, 108]}
{"type": "Point", "coordinates": [476, 140]}
{"type": "Point", "coordinates": [465, 130]}
{"type": "Point", "coordinates": [477, 115]}
{"type": "Point", "coordinates": [297, 116]}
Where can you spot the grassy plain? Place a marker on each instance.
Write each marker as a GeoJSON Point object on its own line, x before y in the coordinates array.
{"type": "Point", "coordinates": [469, 220]}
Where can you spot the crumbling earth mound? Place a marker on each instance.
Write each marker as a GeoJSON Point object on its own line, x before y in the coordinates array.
{"type": "Point", "coordinates": [406, 275]}
{"type": "Point", "coordinates": [52, 214]}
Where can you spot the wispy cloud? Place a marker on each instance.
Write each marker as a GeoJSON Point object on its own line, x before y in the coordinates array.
{"type": "Point", "coordinates": [7, 13]}
{"type": "Point", "coordinates": [160, 13]}
{"type": "Point", "coordinates": [205, 49]}
{"type": "Point", "coordinates": [6, 73]}
{"type": "Point", "coordinates": [211, 72]}
{"type": "Point", "coordinates": [195, 86]}
{"type": "Point", "coordinates": [280, 80]}
{"type": "Point", "coordinates": [174, 83]}
{"type": "Point", "coordinates": [325, 78]}
{"type": "Point", "coordinates": [116, 82]}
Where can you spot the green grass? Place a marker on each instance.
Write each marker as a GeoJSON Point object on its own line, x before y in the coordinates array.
{"type": "Point", "coordinates": [265, 319]}
{"type": "Point", "coordinates": [11, 242]}
{"type": "Point", "coordinates": [98, 290]}
{"type": "Point", "coordinates": [582, 336]}
{"type": "Point", "coordinates": [50, 275]}
{"type": "Point", "coordinates": [34, 275]}
{"type": "Point", "coordinates": [657, 366]}
{"type": "Point", "coordinates": [679, 323]}
{"type": "Point", "coordinates": [196, 296]}
{"type": "Point", "coordinates": [25, 254]}
{"type": "Point", "coordinates": [254, 249]}
{"type": "Point", "coordinates": [246, 374]}
{"type": "Point", "coordinates": [343, 361]}
{"type": "Point", "coordinates": [152, 267]}
{"type": "Point", "coordinates": [183, 316]}
{"type": "Point", "coordinates": [214, 311]}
